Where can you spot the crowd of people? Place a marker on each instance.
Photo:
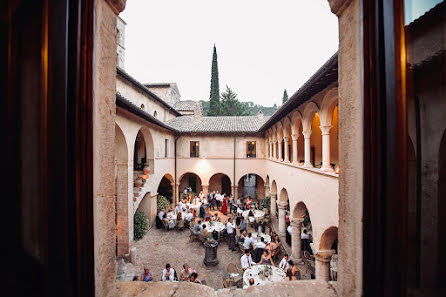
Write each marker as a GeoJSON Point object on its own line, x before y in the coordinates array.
{"type": "Point", "coordinates": [197, 210]}
{"type": "Point", "coordinates": [169, 274]}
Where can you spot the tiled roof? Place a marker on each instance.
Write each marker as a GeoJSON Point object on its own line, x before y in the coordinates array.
{"type": "Point", "coordinates": [189, 105]}
{"type": "Point", "coordinates": [229, 124]}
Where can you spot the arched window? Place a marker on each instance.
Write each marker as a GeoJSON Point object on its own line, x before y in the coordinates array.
{"type": "Point", "coordinates": [155, 114]}
{"type": "Point", "coordinates": [142, 107]}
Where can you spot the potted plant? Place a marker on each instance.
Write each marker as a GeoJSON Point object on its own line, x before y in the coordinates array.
{"type": "Point", "coordinates": [146, 168]}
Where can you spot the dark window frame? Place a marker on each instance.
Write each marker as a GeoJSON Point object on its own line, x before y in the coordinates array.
{"type": "Point", "coordinates": [194, 153]}
{"type": "Point", "coordinates": [253, 152]}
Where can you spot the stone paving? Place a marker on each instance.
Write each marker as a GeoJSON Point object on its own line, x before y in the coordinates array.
{"type": "Point", "coordinates": [159, 247]}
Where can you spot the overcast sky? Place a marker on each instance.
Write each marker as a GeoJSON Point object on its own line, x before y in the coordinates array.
{"type": "Point", "coordinates": [263, 46]}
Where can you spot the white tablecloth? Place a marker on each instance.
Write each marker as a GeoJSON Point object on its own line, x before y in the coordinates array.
{"type": "Point", "coordinates": [194, 206]}
{"type": "Point", "coordinates": [257, 237]}
{"type": "Point", "coordinates": [278, 275]}
{"type": "Point", "coordinates": [173, 215]}
{"type": "Point", "coordinates": [258, 214]}
{"type": "Point", "coordinates": [217, 226]}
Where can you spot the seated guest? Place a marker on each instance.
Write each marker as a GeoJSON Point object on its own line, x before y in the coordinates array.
{"type": "Point", "coordinates": [178, 208]}
{"type": "Point", "coordinates": [266, 258]}
{"type": "Point", "coordinates": [239, 203]}
{"type": "Point", "coordinates": [189, 216]}
{"type": "Point", "coordinates": [274, 246]}
{"type": "Point", "coordinates": [242, 225]}
{"type": "Point", "coordinates": [159, 222]}
{"type": "Point", "coordinates": [289, 275]}
{"type": "Point", "coordinates": [246, 260]}
{"type": "Point", "coordinates": [289, 233]}
{"type": "Point", "coordinates": [214, 217]}
{"type": "Point", "coordinates": [295, 272]}
{"type": "Point", "coordinates": [242, 237]}
{"type": "Point", "coordinates": [207, 217]}
{"type": "Point", "coordinates": [261, 244]}
{"type": "Point", "coordinates": [248, 241]}
{"type": "Point", "coordinates": [147, 275]}
{"type": "Point", "coordinates": [186, 272]}
{"type": "Point", "coordinates": [284, 264]}
{"type": "Point", "coordinates": [194, 278]}
{"type": "Point", "coordinates": [161, 214]}
{"type": "Point", "coordinates": [168, 273]}
{"type": "Point", "coordinates": [251, 283]}
{"type": "Point", "coordinates": [197, 228]}
{"type": "Point", "coordinates": [205, 232]}
{"type": "Point", "coordinates": [171, 224]}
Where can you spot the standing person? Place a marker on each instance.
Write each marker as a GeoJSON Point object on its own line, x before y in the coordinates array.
{"type": "Point", "coordinates": [202, 212]}
{"type": "Point", "coordinates": [217, 200]}
{"type": "Point", "coordinates": [213, 201]}
{"type": "Point", "coordinates": [230, 229]}
{"type": "Point", "coordinates": [224, 208]}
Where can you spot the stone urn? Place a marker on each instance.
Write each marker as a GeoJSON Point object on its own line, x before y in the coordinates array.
{"type": "Point", "coordinates": [146, 169]}
{"type": "Point", "coordinates": [210, 256]}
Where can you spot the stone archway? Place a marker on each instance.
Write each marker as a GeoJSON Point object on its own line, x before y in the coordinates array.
{"type": "Point", "coordinates": [300, 222]}
{"type": "Point", "coordinates": [191, 180]}
{"type": "Point", "coordinates": [220, 182]}
{"type": "Point", "coordinates": [328, 248]}
{"type": "Point", "coordinates": [251, 185]}
{"type": "Point", "coordinates": [165, 187]}
{"type": "Point", "coordinates": [143, 152]}
{"type": "Point", "coordinates": [123, 224]}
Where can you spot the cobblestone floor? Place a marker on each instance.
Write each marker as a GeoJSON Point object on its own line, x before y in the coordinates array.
{"type": "Point", "coordinates": [159, 247]}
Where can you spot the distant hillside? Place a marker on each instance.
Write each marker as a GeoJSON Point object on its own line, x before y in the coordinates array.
{"type": "Point", "coordinates": [250, 107]}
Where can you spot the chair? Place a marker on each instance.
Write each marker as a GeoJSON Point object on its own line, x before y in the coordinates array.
{"type": "Point", "coordinates": [180, 225]}
{"type": "Point", "coordinates": [232, 268]}
{"type": "Point", "coordinates": [192, 236]}
{"type": "Point", "coordinates": [166, 224]}
{"type": "Point", "coordinates": [240, 246]}
{"type": "Point", "coordinates": [227, 283]}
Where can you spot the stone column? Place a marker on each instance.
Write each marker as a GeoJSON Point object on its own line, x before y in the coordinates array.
{"type": "Point", "coordinates": [286, 157]}
{"type": "Point", "coordinates": [177, 192]}
{"type": "Point", "coordinates": [323, 258]}
{"type": "Point", "coordinates": [326, 148]}
{"type": "Point", "coordinates": [295, 138]}
{"type": "Point", "coordinates": [279, 144]}
{"type": "Point", "coordinates": [235, 192]}
{"type": "Point", "coordinates": [282, 212]}
{"type": "Point", "coordinates": [274, 150]}
{"type": "Point", "coordinates": [205, 189]}
{"type": "Point", "coordinates": [273, 205]}
{"type": "Point", "coordinates": [307, 137]}
{"type": "Point", "coordinates": [296, 242]}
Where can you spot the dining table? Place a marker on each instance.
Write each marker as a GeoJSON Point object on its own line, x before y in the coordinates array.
{"type": "Point", "coordinates": [263, 274]}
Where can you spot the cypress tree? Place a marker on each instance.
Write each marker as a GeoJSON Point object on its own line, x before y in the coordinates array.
{"type": "Point", "coordinates": [214, 98]}
{"type": "Point", "coordinates": [285, 96]}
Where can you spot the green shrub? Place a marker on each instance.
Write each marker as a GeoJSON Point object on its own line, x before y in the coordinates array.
{"type": "Point", "coordinates": [162, 203]}
{"type": "Point", "coordinates": [265, 203]}
{"type": "Point", "coordinates": [140, 225]}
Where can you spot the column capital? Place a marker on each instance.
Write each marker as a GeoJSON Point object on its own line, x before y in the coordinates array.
{"type": "Point", "coordinates": [295, 136]}
{"type": "Point", "coordinates": [273, 196]}
{"type": "Point", "coordinates": [307, 134]}
{"type": "Point", "coordinates": [117, 5]}
{"type": "Point", "coordinates": [325, 129]}
{"type": "Point", "coordinates": [324, 255]}
{"type": "Point", "coordinates": [286, 138]}
{"type": "Point", "coordinates": [296, 222]}
{"type": "Point", "coordinates": [282, 205]}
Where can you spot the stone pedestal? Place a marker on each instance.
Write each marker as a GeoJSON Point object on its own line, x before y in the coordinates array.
{"type": "Point", "coordinates": [210, 256]}
{"type": "Point", "coordinates": [133, 255]}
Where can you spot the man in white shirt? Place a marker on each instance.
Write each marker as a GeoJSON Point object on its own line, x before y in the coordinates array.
{"type": "Point", "coordinates": [230, 229]}
{"type": "Point", "coordinates": [246, 260]}
{"type": "Point", "coordinates": [304, 235]}
{"type": "Point", "coordinates": [261, 244]}
{"type": "Point", "coordinates": [248, 241]}
{"type": "Point", "coordinates": [189, 216]}
{"type": "Point", "coordinates": [161, 214]}
{"type": "Point", "coordinates": [178, 208]}
{"type": "Point", "coordinates": [284, 264]}
{"type": "Point", "coordinates": [168, 274]}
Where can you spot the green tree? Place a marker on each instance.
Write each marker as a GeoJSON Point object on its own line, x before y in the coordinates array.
{"type": "Point", "coordinates": [230, 106]}
{"type": "Point", "coordinates": [214, 97]}
{"type": "Point", "coordinates": [285, 96]}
